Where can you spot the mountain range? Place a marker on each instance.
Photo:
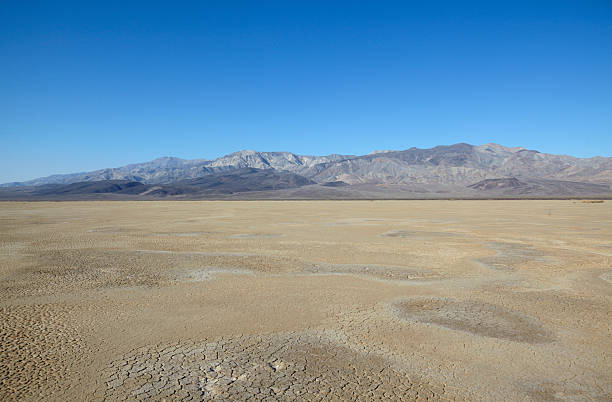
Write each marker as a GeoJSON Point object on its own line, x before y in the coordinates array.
{"type": "Point", "coordinates": [459, 170]}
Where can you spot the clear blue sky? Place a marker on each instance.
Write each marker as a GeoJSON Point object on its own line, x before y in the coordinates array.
{"type": "Point", "coordinates": [86, 85]}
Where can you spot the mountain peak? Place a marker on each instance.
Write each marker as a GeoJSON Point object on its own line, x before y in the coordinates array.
{"type": "Point", "coordinates": [501, 148]}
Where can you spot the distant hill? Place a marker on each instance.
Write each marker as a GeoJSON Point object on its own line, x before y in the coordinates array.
{"type": "Point", "coordinates": [237, 181]}
{"type": "Point", "coordinates": [460, 170]}
{"type": "Point", "coordinates": [538, 187]}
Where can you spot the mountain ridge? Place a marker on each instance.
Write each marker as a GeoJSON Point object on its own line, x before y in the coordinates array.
{"type": "Point", "coordinates": [444, 166]}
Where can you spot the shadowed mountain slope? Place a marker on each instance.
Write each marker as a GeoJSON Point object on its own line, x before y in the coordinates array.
{"type": "Point", "coordinates": [237, 181]}
{"type": "Point", "coordinates": [538, 187]}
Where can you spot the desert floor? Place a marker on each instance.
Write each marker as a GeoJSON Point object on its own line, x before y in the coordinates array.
{"type": "Point", "coordinates": [442, 300]}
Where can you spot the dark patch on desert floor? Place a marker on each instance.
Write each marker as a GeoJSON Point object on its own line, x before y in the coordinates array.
{"type": "Point", "coordinates": [478, 318]}
{"type": "Point", "coordinates": [551, 391]}
{"type": "Point", "coordinates": [509, 255]}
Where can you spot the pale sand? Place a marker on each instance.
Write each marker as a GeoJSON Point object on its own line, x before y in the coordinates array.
{"type": "Point", "coordinates": [314, 300]}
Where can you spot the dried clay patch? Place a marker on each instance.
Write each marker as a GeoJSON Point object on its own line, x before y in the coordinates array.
{"type": "Point", "coordinates": [509, 255]}
{"type": "Point", "coordinates": [69, 271]}
{"type": "Point", "coordinates": [35, 341]}
{"type": "Point", "coordinates": [206, 273]}
{"type": "Point", "coordinates": [286, 367]}
{"type": "Point", "coordinates": [388, 272]}
{"type": "Point", "coordinates": [161, 259]}
{"type": "Point", "coordinates": [475, 317]}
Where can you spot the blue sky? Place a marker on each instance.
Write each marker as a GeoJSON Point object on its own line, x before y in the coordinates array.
{"type": "Point", "coordinates": [87, 85]}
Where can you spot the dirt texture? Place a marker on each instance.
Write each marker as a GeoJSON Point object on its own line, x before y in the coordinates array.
{"type": "Point", "coordinates": [306, 300]}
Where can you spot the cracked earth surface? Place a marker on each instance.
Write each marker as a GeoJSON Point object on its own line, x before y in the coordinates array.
{"type": "Point", "coordinates": [356, 300]}
{"type": "Point", "coordinates": [309, 365]}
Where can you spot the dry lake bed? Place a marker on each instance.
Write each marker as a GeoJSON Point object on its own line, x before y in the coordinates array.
{"type": "Point", "coordinates": [313, 300]}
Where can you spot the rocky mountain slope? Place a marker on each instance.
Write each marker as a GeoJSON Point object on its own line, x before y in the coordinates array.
{"type": "Point", "coordinates": [461, 164]}
{"type": "Point", "coordinates": [489, 168]}
{"type": "Point", "coordinates": [168, 169]}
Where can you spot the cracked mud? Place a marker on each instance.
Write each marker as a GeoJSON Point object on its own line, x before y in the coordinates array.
{"type": "Point", "coordinates": [308, 366]}
{"type": "Point", "coordinates": [476, 300]}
